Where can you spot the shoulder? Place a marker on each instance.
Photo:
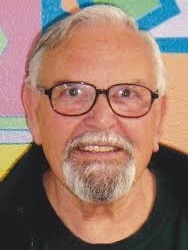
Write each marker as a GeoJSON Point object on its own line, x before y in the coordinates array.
{"type": "Point", "coordinates": [21, 186]}
{"type": "Point", "coordinates": [19, 193]}
{"type": "Point", "coordinates": [173, 165]}
{"type": "Point", "coordinates": [171, 160]}
{"type": "Point", "coordinates": [12, 233]}
{"type": "Point", "coordinates": [167, 152]}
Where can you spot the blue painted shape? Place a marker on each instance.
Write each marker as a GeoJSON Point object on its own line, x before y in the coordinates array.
{"type": "Point", "coordinates": [52, 10]}
{"type": "Point", "coordinates": [173, 45]}
{"type": "Point", "coordinates": [167, 10]}
{"type": "Point", "coordinates": [83, 3]}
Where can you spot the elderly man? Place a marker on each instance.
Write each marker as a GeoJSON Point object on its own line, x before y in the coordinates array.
{"type": "Point", "coordinates": [95, 100]}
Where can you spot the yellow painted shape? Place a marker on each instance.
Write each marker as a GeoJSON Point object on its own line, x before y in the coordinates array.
{"type": "Point", "coordinates": [70, 6]}
{"type": "Point", "coordinates": [9, 154]}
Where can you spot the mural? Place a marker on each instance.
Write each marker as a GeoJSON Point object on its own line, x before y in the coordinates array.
{"type": "Point", "coordinates": [19, 24]}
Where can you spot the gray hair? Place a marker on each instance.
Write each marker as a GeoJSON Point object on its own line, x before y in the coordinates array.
{"type": "Point", "coordinates": [60, 31]}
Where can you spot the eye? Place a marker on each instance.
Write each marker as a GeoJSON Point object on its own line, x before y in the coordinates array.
{"type": "Point", "coordinates": [124, 92]}
{"type": "Point", "coordinates": [74, 92]}
{"type": "Point", "coordinates": [69, 91]}
{"type": "Point", "coordinates": [66, 93]}
{"type": "Point", "coordinates": [128, 93]}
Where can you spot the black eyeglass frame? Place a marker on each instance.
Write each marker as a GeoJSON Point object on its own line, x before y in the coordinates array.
{"type": "Point", "coordinates": [48, 92]}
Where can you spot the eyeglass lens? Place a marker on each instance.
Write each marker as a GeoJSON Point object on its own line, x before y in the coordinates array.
{"type": "Point", "coordinates": [72, 98]}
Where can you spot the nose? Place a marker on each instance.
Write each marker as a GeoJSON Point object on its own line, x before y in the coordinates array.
{"type": "Point", "coordinates": [101, 116]}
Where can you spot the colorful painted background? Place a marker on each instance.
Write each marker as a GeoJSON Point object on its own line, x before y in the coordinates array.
{"type": "Point", "coordinates": [167, 20]}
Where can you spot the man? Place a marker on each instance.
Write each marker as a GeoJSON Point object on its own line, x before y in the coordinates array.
{"type": "Point", "coordinates": [95, 100]}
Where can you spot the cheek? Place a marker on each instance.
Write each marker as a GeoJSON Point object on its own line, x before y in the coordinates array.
{"type": "Point", "coordinates": [55, 131]}
{"type": "Point", "coordinates": [141, 132]}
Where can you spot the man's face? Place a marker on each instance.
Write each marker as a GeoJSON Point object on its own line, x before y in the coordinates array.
{"type": "Point", "coordinates": [102, 56]}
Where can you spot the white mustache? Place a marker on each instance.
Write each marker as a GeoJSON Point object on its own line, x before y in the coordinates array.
{"type": "Point", "coordinates": [100, 139]}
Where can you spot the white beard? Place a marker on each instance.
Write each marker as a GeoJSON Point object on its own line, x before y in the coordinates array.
{"type": "Point", "coordinates": [99, 180]}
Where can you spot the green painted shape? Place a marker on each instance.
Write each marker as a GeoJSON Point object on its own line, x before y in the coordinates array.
{"type": "Point", "coordinates": [3, 41]}
{"type": "Point", "coordinates": [135, 8]}
{"type": "Point", "coordinates": [13, 123]}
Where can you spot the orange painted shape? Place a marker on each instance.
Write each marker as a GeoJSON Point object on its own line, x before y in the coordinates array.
{"type": "Point", "coordinates": [70, 6]}
{"type": "Point", "coordinates": [176, 126]}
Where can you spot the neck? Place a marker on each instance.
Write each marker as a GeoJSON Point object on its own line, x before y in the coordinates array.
{"type": "Point", "coordinates": [99, 222]}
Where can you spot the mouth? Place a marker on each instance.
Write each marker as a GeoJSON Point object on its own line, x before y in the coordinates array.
{"type": "Point", "coordinates": [99, 148]}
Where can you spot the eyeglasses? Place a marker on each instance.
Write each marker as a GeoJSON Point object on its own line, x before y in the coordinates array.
{"type": "Point", "coordinates": [78, 98]}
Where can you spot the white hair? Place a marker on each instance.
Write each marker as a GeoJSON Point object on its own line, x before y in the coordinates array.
{"type": "Point", "coordinates": [60, 31]}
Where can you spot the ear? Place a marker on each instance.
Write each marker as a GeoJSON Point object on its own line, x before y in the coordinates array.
{"type": "Point", "coordinates": [159, 123]}
{"type": "Point", "coordinates": [30, 99]}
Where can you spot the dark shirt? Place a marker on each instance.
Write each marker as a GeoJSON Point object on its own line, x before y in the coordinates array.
{"type": "Point", "coordinates": [28, 222]}
{"type": "Point", "coordinates": [165, 229]}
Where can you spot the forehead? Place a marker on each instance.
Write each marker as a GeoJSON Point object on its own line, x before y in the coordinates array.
{"type": "Point", "coordinates": [101, 53]}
